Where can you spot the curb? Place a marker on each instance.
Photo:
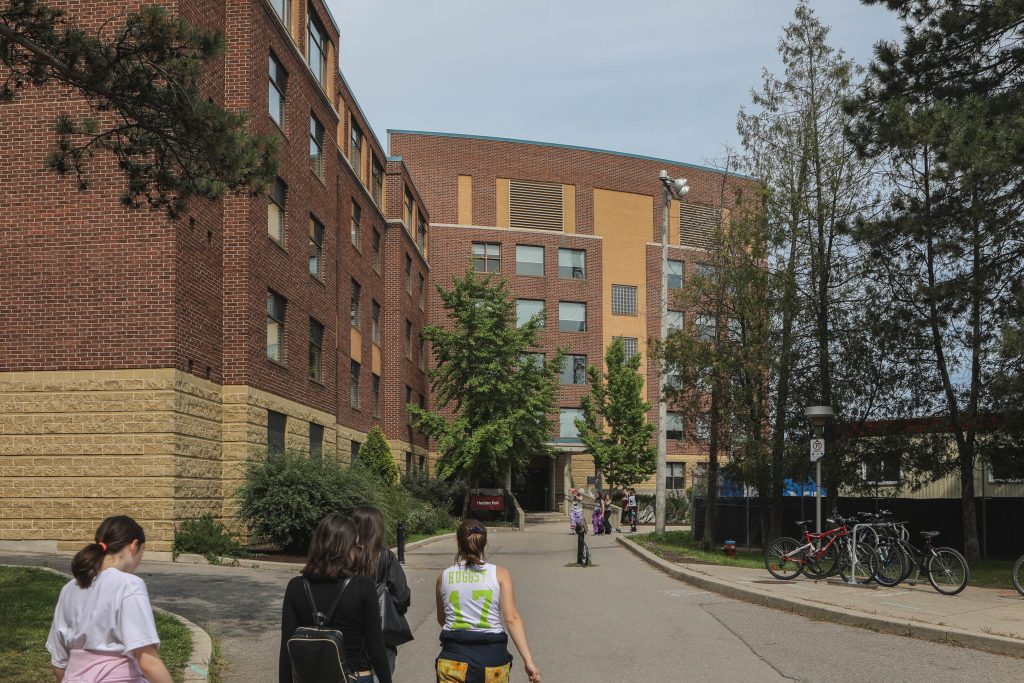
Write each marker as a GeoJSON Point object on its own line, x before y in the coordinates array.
{"type": "Point", "coordinates": [939, 634]}
{"type": "Point", "coordinates": [197, 668]}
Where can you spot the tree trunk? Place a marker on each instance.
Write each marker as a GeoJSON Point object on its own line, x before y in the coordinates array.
{"type": "Point", "coordinates": [711, 497]}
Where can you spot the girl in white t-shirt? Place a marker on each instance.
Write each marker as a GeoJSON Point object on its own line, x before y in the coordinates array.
{"type": "Point", "coordinates": [476, 609]}
{"type": "Point", "coordinates": [103, 628]}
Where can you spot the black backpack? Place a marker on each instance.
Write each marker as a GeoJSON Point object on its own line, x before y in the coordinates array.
{"type": "Point", "coordinates": [317, 653]}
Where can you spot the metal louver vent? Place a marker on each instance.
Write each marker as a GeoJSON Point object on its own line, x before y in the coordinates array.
{"type": "Point", "coordinates": [697, 225]}
{"type": "Point", "coordinates": [535, 205]}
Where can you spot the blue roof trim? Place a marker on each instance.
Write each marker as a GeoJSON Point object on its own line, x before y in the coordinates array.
{"type": "Point", "coordinates": [395, 158]}
{"type": "Point", "coordinates": [564, 146]}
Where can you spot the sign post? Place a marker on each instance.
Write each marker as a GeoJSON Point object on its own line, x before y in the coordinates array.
{"type": "Point", "coordinates": [819, 416]}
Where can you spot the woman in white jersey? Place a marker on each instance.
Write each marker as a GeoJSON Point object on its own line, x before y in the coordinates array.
{"type": "Point", "coordinates": [103, 628]}
{"type": "Point", "coordinates": [476, 609]}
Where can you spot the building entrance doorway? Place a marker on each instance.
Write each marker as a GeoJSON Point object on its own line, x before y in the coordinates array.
{"type": "Point", "coordinates": [532, 486]}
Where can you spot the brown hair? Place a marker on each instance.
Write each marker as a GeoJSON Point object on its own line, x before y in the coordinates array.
{"type": "Point", "coordinates": [332, 552]}
{"type": "Point", "coordinates": [370, 531]}
{"type": "Point", "coordinates": [113, 534]}
{"type": "Point", "coordinates": [472, 539]}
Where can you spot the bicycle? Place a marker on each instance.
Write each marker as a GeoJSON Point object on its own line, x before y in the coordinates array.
{"type": "Point", "coordinates": [947, 570]}
{"type": "Point", "coordinates": [1018, 575]}
{"type": "Point", "coordinates": [786, 558]}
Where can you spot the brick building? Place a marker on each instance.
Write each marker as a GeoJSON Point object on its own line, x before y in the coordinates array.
{"type": "Point", "coordinates": [576, 231]}
{"type": "Point", "coordinates": [143, 360]}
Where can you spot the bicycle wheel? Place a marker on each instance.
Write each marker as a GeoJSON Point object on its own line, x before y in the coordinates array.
{"type": "Point", "coordinates": [867, 565]}
{"type": "Point", "coordinates": [822, 564]}
{"type": "Point", "coordinates": [779, 559]}
{"type": "Point", "coordinates": [892, 564]}
{"type": "Point", "coordinates": [1018, 575]}
{"type": "Point", "coordinates": [948, 572]}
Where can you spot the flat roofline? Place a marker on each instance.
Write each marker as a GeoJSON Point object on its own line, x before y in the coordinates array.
{"type": "Point", "coordinates": [489, 138]}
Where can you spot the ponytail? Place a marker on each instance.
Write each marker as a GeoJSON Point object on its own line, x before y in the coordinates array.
{"type": "Point", "coordinates": [113, 534]}
{"type": "Point", "coordinates": [472, 540]}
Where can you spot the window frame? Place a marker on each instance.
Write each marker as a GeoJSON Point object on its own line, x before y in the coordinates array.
{"type": "Point", "coordinates": [624, 300]}
{"type": "Point", "coordinates": [408, 339]}
{"type": "Point", "coordinates": [375, 394]}
{"type": "Point", "coordinates": [520, 321]}
{"type": "Point", "coordinates": [316, 247]}
{"type": "Point", "coordinates": [315, 29]}
{"type": "Point", "coordinates": [408, 274]}
{"type": "Point", "coordinates": [277, 78]}
{"type": "Point", "coordinates": [579, 416]}
{"type": "Point", "coordinates": [285, 14]}
{"type": "Point", "coordinates": [354, 303]}
{"type": "Point", "coordinates": [375, 322]}
{"type": "Point", "coordinates": [864, 474]}
{"type": "Point", "coordinates": [355, 154]}
{"type": "Point", "coordinates": [316, 141]}
{"type": "Point", "coordinates": [354, 369]}
{"type": "Point", "coordinates": [272, 311]}
{"type": "Point", "coordinates": [276, 438]}
{"type": "Point", "coordinates": [278, 196]}
{"type": "Point", "coordinates": [562, 321]}
{"type": "Point", "coordinates": [376, 181]}
{"type": "Point", "coordinates": [520, 262]}
{"type": "Point", "coordinates": [376, 251]}
{"type": "Point", "coordinates": [671, 478]}
{"type": "Point", "coordinates": [316, 350]}
{"type": "Point", "coordinates": [630, 347]}
{"type": "Point", "coordinates": [681, 432]}
{"type": "Point", "coordinates": [567, 251]}
{"type": "Point", "coordinates": [486, 257]}
{"type": "Point", "coordinates": [316, 436]}
{"type": "Point", "coordinates": [356, 229]}
{"type": "Point", "coordinates": [575, 371]}
{"type": "Point", "coordinates": [671, 274]}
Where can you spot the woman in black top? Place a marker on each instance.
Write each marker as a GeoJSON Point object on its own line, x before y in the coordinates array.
{"type": "Point", "coordinates": [379, 562]}
{"type": "Point", "coordinates": [332, 559]}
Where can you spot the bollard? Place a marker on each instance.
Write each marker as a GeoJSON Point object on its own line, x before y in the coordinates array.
{"type": "Point", "coordinates": [401, 542]}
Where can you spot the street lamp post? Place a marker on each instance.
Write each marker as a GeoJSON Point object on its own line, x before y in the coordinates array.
{"type": "Point", "coordinates": [674, 188]}
{"type": "Point", "coordinates": [819, 416]}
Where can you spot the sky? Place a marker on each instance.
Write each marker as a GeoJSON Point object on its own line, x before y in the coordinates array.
{"type": "Point", "coordinates": [662, 78]}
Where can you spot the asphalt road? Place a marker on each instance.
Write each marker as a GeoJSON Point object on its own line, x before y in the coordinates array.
{"type": "Point", "coordinates": [618, 619]}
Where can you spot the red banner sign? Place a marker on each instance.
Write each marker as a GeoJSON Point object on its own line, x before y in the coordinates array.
{"type": "Point", "coordinates": [478, 502]}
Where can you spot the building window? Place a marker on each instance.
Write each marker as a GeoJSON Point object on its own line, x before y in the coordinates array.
{"type": "Point", "coordinates": [316, 245]}
{"type": "Point", "coordinates": [675, 476]}
{"type": "Point", "coordinates": [572, 264]}
{"type": "Point", "coordinates": [355, 156]}
{"type": "Point", "coordinates": [526, 309]}
{"type": "Point", "coordinates": [275, 326]}
{"type": "Point", "coordinates": [275, 211]}
{"type": "Point", "coordinates": [375, 386]}
{"type": "Point", "coordinates": [423, 464]}
{"type": "Point", "coordinates": [572, 317]}
{"type": "Point", "coordinates": [675, 274]}
{"type": "Point", "coordinates": [316, 350]}
{"type": "Point", "coordinates": [316, 146]}
{"type": "Point", "coordinates": [276, 91]}
{"type": "Point", "coordinates": [375, 322]}
{"type": "Point", "coordinates": [376, 251]}
{"type": "Point", "coordinates": [275, 431]}
{"type": "Point", "coordinates": [377, 182]}
{"type": "Point", "coordinates": [423, 352]}
{"type": "Point", "coordinates": [408, 274]}
{"type": "Point", "coordinates": [574, 370]}
{"type": "Point", "coordinates": [410, 207]}
{"type": "Point", "coordinates": [408, 340]}
{"type": "Point", "coordinates": [673, 425]}
{"type": "Point", "coordinates": [707, 271]}
{"type": "Point", "coordinates": [705, 328]}
{"type": "Point", "coordinates": [354, 307]}
{"type": "Point", "coordinates": [567, 422]}
{"type": "Point", "coordinates": [885, 471]}
{"type": "Point", "coordinates": [354, 395]}
{"type": "Point", "coordinates": [317, 48]}
{"type": "Point", "coordinates": [623, 300]}
{"type": "Point", "coordinates": [534, 359]}
{"type": "Point", "coordinates": [408, 400]}
{"type": "Point", "coordinates": [355, 450]}
{"type": "Point", "coordinates": [529, 260]}
{"type": "Point", "coordinates": [422, 290]}
{"type": "Point", "coordinates": [316, 439]}
{"type": "Point", "coordinates": [487, 257]}
{"type": "Point", "coordinates": [357, 217]}
{"type": "Point", "coordinates": [675, 320]}
{"type": "Point", "coordinates": [408, 462]}
{"type": "Point", "coordinates": [421, 231]}
{"type": "Point", "coordinates": [630, 345]}
{"type": "Point", "coordinates": [283, 9]}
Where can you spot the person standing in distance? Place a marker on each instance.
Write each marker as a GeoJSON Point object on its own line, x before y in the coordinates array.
{"type": "Point", "coordinates": [476, 609]}
{"type": "Point", "coordinates": [632, 510]}
{"type": "Point", "coordinates": [103, 627]}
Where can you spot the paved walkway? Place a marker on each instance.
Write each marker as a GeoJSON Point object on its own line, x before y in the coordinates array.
{"type": "Point", "coordinates": [620, 618]}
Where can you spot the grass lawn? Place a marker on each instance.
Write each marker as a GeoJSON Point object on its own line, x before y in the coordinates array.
{"type": "Point", "coordinates": [27, 599]}
{"type": "Point", "coordinates": [992, 574]}
{"type": "Point", "coordinates": [678, 546]}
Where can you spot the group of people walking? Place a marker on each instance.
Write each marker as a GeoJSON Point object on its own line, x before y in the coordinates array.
{"type": "Point", "coordinates": [103, 628]}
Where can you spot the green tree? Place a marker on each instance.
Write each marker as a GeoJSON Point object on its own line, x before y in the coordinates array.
{"type": "Point", "coordinates": [614, 426]}
{"type": "Point", "coordinates": [493, 399]}
{"type": "Point", "coordinates": [944, 111]}
{"type": "Point", "coordinates": [375, 458]}
{"type": "Point", "coordinates": [145, 104]}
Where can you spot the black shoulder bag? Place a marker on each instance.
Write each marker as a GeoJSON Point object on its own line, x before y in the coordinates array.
{"type": "Point", "coordinates": [394, 625]}
{"type": "Point", "coordinates": [317, 653]}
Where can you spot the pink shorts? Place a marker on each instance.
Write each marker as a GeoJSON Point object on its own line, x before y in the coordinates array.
{"type": "Point", "coordinates": [86, 666]}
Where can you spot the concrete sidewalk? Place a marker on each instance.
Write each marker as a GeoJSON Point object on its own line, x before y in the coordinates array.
{"type": "Point", "coordinates": [978, 618]}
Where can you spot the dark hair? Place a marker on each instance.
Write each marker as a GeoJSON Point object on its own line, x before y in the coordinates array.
{"type": "Point", "coordinates": [332, 552]}
{"type": "Point", "coordinates": [472, 539]}
{"type": "Point", "coordinates": [370, 531]}
{"type": "Point", "coordinates": [113, 534]}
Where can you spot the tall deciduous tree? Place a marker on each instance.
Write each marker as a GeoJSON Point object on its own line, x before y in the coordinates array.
{"type": "Point", "coordinates": [141, 84]}
{"type": "Point", "coordinates": [944, 110]}
{"type": "Point", "coordinates": [493, 399]}
{"type": "Point", "coordinates": [614, 426]}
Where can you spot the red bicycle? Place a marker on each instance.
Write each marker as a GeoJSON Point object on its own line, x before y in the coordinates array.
{"type": "Point", "coordinates": [818, 557]}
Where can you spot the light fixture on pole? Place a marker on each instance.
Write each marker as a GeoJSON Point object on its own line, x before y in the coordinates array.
{"type": "Point", "coordinates": [674, 188]}
{"type": "Point", "coordinates": [819, 417]}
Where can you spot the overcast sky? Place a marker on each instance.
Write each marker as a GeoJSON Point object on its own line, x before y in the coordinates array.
{"type": "Point", "coordinates": [663, 78]}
